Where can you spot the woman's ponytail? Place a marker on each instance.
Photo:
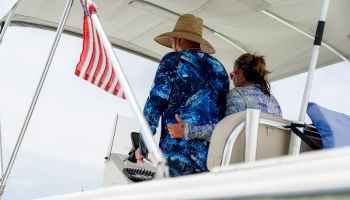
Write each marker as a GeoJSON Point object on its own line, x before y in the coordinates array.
{"type": "Point", "coordinates": [254, 70]}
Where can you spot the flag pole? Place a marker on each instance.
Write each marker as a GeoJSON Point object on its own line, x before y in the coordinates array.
{"type": "Point", "coordinates": [8, 20]}
{"type": "Point", "coordinates": [162, 170]}
{"type": "Point", "coordinates": [296, 141]}
{"type": "Point", "coordinates": [59, 31]}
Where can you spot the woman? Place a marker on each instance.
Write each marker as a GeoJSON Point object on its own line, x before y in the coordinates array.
{"type": "Point", "coordinates": [252, 90]}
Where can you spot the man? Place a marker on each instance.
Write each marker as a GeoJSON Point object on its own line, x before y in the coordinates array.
{"type": "Point", "coordinates": [191, 83]}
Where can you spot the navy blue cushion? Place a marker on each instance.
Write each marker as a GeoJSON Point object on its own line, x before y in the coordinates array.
{"type": "Point", "coordinates": [334, 127]}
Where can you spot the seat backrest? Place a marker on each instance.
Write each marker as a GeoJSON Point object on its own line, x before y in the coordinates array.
{"type": "Point", "coordinates": [271, 142]}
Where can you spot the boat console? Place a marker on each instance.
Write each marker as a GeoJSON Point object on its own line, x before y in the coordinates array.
{"type": "Point", "coordinates": [140, 173]}
{"type": "Point", "coordinates": [123, 169]}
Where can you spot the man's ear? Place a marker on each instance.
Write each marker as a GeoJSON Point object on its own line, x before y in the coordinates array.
{"type": "Point", "coordinates": [178, 43]}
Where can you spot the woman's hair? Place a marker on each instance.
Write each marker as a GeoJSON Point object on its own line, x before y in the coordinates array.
{"type": "Point", "coordinates": [254, 70]}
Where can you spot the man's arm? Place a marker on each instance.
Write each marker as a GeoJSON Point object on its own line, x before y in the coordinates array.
{"type": "Point", "coordinates": [159, 94]}
{"type": "Point", "coordinates": [189, 131]}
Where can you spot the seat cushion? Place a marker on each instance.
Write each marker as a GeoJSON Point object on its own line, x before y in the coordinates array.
{"type": "Point", "coordinates": [334, 127]}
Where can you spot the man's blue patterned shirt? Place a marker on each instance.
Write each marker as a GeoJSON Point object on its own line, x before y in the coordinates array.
{"type": "Point", "coordinates": [194, 85]}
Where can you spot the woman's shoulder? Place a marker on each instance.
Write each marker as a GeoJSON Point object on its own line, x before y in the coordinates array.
{"type": "Point", "coordinates": [244, 90]}
{"type": "Point", "coordinates": [251, 94]}
{"type": "Point", "coordinates": [274, 100]}
{"type": "Point", "coordinates": [236, 94]}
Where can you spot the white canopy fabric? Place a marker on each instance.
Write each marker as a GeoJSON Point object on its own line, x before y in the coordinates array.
{"type": "Point", "coordinates": [132, 25]}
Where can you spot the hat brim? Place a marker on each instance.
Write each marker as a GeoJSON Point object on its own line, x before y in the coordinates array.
{"type": "Point", "coordinates": [165, 39]}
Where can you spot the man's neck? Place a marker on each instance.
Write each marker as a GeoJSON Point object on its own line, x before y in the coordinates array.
{"type": "Point", "coordinates": [188, 45]}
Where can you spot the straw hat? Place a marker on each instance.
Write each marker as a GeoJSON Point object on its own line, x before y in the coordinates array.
{"type": "Point", "coordinates": [187, 27]}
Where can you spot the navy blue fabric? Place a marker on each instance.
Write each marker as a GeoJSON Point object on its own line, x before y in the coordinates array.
{"type": "Point", "coordinates": [177, 168]}
{"type": "Point", "coordinates": [334, 127]}
{"type": "Point", "coordinates": [194, 85]}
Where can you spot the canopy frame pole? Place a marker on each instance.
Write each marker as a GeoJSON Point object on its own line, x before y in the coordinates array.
{"type": "Point", "coordinates": [59, 31]}
{"type": "Point", "coordinates": [8, 20]}
{"type": "Point", "coordinates": [279, 19]}
{"type": "Point", "coordinates": [110, 147]}
{"type": "Point", "coordinates": [296, 141]}
{"type": "Point", "coordinates": [160, 162]}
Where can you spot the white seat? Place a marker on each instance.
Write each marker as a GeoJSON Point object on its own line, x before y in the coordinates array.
{"type": "Point", "coordinates": [266, 138]}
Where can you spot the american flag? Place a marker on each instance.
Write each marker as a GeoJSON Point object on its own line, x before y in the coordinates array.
{"type": "Point", "coordinates": [95, 65]}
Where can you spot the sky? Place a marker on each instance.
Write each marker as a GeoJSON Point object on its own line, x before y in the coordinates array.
{"type": "Point", "coordinates": [68, 136]}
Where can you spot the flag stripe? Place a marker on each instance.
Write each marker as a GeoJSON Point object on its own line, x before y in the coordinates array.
{"type": "Point", "coordinates": [110, 80]}
{"type": "Point", "coordinates": [114, 84]}
{"type": "Point", "coordinates": [85, 47]}
{"type": "Point", "coordinates": [107, 75]}
{"type": "Point", "coordinates": [87, 58]}
{"type": "Point", "coordinates": [116, 89]}
{"type": "Point", "coordinates": [92, 60]}
{"type": "Point", "coordinates": [100, 60]}
{"type": "Point", "coordinates": [105, 71]}
{"type": "Point", "coordinates": [94, 64]}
